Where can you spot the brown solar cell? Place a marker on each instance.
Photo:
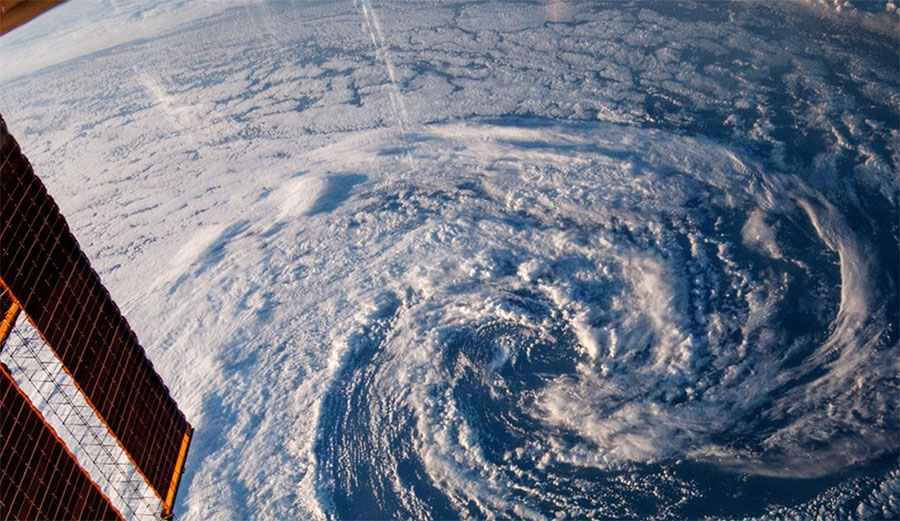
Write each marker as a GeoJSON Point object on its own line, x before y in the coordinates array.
{"type": "Point", "coordinates": [40, 478]}
{"type": "Point", "coordinates": [47, 274]}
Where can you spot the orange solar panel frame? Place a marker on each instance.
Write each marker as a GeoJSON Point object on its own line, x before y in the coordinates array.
{"type": "Point", "coordinates": [45, 274]}
{"type": "Point", "coordinates": [9, 312]}
{"type": "Point", "coordinates": [40, 478]}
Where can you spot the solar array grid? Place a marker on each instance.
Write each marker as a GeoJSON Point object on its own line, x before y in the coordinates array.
{"type": "Point", "coordinates": [39, 478]}
{"type": "Point", "coordinates": [45, 270]}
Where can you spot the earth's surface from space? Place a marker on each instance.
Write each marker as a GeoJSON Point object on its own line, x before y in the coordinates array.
{"type": "Point", "coordinates": [493, 260]}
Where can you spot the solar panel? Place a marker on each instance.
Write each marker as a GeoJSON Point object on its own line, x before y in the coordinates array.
{"type": "Point", "coordinates": [45, 272]}
{"type": "Point", "coordinates": [40, 478]}
{"type": "Point", "coordinates": [14, 13]}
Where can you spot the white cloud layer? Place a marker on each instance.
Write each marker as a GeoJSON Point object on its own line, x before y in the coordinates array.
{"type": "Point", "coordinates": [371, 236]}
